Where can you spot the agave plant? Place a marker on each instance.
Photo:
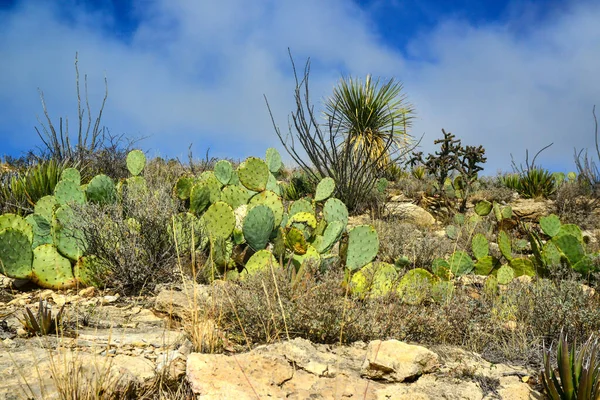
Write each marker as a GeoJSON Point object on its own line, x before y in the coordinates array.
{"type": "Point", "coordinates": [578, 372]}
{"type": "Point", "coordinates": [43, 323]}
{"type": "Point", "coordinates": [369, 113]}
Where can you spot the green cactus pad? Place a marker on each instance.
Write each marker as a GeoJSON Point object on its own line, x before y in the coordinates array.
{"type": "Point", "coordinates": [199, 198]}
{"type": "Point", "coordinates": [459, 219]}
{"type": "Point", "coordinates": [441, 269]}
{"type": "Point", "coordinates": [273, 185]}
{"type": "Point", "coordinates": [585, 266]}
{"type": "Point", "coordinates": [480, 246]}
{"type": "Point", "coordinates": [136, 187]}
{"type": "Point", "coordinates": [214, 185]}
{"type": "Point", "coordinates": [235, 196]}
{"type": "Point", "coordinates": [363, 245]}
{"type": "Point", "coordinates": [522, 266]}
{"type": "Point", "coordinates": [223, 171]}
{"type": "Point", "coordinates": [86, 269]}
{"type": "Point", "coordinates": [279, 243]}
{"type": "Point", "coordinates": [331, 235]}
{"type": "Point", "coordinates": [15, 254]}
{"type": "Point", "coordinates": [188, 232]}
{"type": "Point", "coordinates": [67, 192]}
{"type": "Point", "coordinates": [310, 259]}
{"type": "Point", "coordinates": [254, 174]}
{"type": "Point", "coordinates": [571, 176]}
{"type": "Point", "coordinates": [45, 207]}
{"type": "Point", "coordinates": [183, 187]}
{"type": "Point", "coordinates": [221, 251]}
{"type": "Point", "coordinates": [301, 205]}
{"type": "Point", "coordinates": [485, 265]}
{"type": "Point", "coordinates": [573, 230]}
{"type": "Point", "coordinates": [415, 286]}
{"type": "Point", "coordinates": [490, 286]}
{"type": "Point", "coordinates": [17, 222]}
{"type": "Point", "coordinates": [325, 189]}
{"type": "Point", "coordinates": [550, 225]}
{"type": "Point", "coordinates": [460, 263]}
{"type": "Point", "coordinates": [136, 161]}
{"type": "Point", "coordinates": [497, 211]}
{"type": "Point", "coordinates": [235, 179]}
{"type": "Point", "coordinates": [101, 190]}
{"type": "Point", "coordinates": [335, 210]}
{"type": "Point", "coordinates": [71, 174]}
{"type": "Point", "coordinates": [219, 220]}
{"type": "Point", "coordinates": [295, 241]}
{"type": "Point", "coordinates": [51, 270]}
{"type": "Point", "coordinates": [374, 279]}
{"type": "Point", "coordinates": [305, 218]}
{"type": "Point", "coordinates": [273, 159]}
{"type": "Point", "coordinates": [506, 212]}
{"type": "Point", "coordinates": [452, 231]}
{"type": "Point", "coordinates": [571, 247]}
{"type": "Point", "coordinates": [270, 200]}
{"type": "Point", "coordinates": [42, 232]}
{"type": "Point", "coordinates": [483, 208]}
{"type": "Point", "coordinates": [505, 275]}
{"type": "Point", "coordinates": [69, 240]}
{"type": "Point", "coordinates": [262, 260]}
{"type": "Point", "coordinates": [504, 245]}
{"type": "Point", "coordinates": [258, 225]}
{"type": "Point", "coordinates": [551, 254]}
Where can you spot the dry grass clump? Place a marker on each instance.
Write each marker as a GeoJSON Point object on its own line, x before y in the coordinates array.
{"type": "Point", "coordinates": [575, 206]}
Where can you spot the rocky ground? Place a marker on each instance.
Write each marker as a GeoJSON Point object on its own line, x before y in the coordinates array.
{"type": "Point", "coordinates": [133, 342]}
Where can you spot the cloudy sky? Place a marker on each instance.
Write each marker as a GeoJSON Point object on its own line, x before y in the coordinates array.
{"type": "Point", "coordinates": [509, 75]}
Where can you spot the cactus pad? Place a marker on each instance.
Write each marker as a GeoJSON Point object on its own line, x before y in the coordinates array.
{"type": "Point", "coordinates": [183, 187]}
{"type": "Point", "coordinates": [71, 174]}
{"type": "Point", "coordinates": [573, 230]}
{"type": "Point", "coordinates": [219, 220]}
{"type": "Point", "coordinates": [199, 198]}
{"type": "Point", "coordinates": [522, 266]}
{"type": "Point", "coordinates": [42, 232]}
{"type": "Point", "coordinates": [17, 222]}
{"type": "Point", "coordinates": [273, 159]}
{"type": "Point", "coordinates": [234, 195]}
{"type": "Point", "coordinates": [550, 225]}
{"type": "Point", "coordinates": [295, 241]}
{"type": "Point", "coordinates": [254, 174]}
{"type": "Point", "coordinates": [483, 208]}
{"type": "Point", "coordinates": [270, 200]}
{"type": "Point", "coordinates": [67, 192]}
{"type": "Point", "coordinates": [45, 207]}
{"type": "Point", "coordinates": [504, 245]}
{"type": "Point", "coordinates": [325, 189]}
{"type": "Point", "coordinates": [415, 286]}
{"type": "Point", "coordinates": [15, 254]}
{"type": "Point", "coordinates": [480, 246]}
{"type": "Point", "coordinates": [335, 210]}
{"type": "Point", "coordinates": [375, 279]}
{"type": "Point", "coordinates": [505, 275]}
{"type": "Point", "coordinates": [223, 171]}
{"type": "Point", "coordinates": [331, 235]}
{"type": "Point", "coordinates": [214, 185]}
{"type": "Point", "coordinates": [571, 247]}
{"type": "Point", "coordinates": [51, 270]}
{"type": "Point", "coordinates": [273, 185]}
{"type": "Point", "coordinates": [101, 190]}
{"type": "Point", "coordinates": [363, 245]}
{"type": "Point", "coordinates": [310, 259]}
{"type": "Point", "coordinates": [258, 225]}
{"type": "Point", "coordinates": [485, 265]}
{"type": "Point", "coordinates": [262, 260]}
{"type": "Point", "coordinates": [441, 269]}
{"type": "Point", "coordinates": [69, 240]}
{"type": "Point", "coordinates": [301, 205]}
{"type": "Point", "coordinates": [136, 161]}
{"type": "Point", "coordinates": [460, 263]}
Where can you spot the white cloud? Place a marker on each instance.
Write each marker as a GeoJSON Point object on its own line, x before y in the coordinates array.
{"type": "Point", "coordinates": [196, 72]}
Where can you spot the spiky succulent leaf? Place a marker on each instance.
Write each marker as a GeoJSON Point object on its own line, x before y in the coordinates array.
{"type": "Point", "coordinates": [262, 260]}
{"type": "Point", "coordinates": [325, 189]}
{"type": "Point", "coordinates": [136, 161]}
{"type": "Point", "coordinates": [45, 207]}
{"type": "Point", "coordinates": [42, 232]}
{"type": "Point", "coordinates": [254, 174]}
{"type": "Point", "coordinates": [69, 240]}
{"type": "Point", "coordinates": [199, 198]}
{"type": "Point", "coordinates": [295, 241]}
{"type": "Point", "coordinates": [522, 266]}
{"type": "Point", "coordinates": [571, 229]}
{"type": "Point", "coordinates": [571, 247]}
{"type": "Point", "coordinates": [363, 245]}
{"type": "Point", "coordinates": [223, 171]}
{"type": "Point", "coordinates": [331, 235]}
{"type": "Point", "coordinates": [235, 196]}
{"type": "Point", "coordinates": [51, 270]}
{"type": "Point", "coordinates": [273, 185]}
{"type": "Point", "coordinates": [485, 265]}
{"type": "Point", "coordinates": [67, 192]}
{"type": "Point", "coordinates": [301, 205]}
{"type": "Point", "coordinates": [213, 184]}
{"type": "Point", "coordinates": [183, 187]}
{"type": "Point", "coordinates": [374, 279]}
{"type": "Point", "coordinates": [15, 254]}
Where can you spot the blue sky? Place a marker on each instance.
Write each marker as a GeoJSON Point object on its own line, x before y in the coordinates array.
{"type": "Point", "coordinates": [509, 75]}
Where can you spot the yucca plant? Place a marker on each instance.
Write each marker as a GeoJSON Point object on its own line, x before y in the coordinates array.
{"type": "Point", "coordinates": [368, 114]}
{"type": "Point", "coordinates": [577, 375]}
{"type": "Point", "coordinates": [41, 323]}
{"type": "Point", "coordinates": [536, 182]}
{"type": "Point", "coordinates": [511, 181]}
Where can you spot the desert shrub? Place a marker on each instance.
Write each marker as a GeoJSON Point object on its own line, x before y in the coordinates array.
{"type": "Point", "coordinates": [132, 239]}
{"type": "Point", "coordinates": [574, 206]}
{"type": "Point", "coordinates": [536, 182]}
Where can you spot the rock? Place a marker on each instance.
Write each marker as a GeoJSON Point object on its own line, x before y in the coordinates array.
{"type": "Point", "coordinates": [532, 209]}
{"type": "Point", "coordinates": [395, 361]}
{"type": "Point", "coordinates": [411, 213]}
{"type": "Point", "coordinates": [179, 304]}
{"type": "Point", "coordinates": [87, 292]}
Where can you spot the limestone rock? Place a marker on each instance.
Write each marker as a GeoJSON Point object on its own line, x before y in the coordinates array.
{"type": "Point", "coordinates": [411, 213]}
{"type": "Point", "coordinates": [532, 209]}
{"type": "Point", "coordinates": [395, 361]}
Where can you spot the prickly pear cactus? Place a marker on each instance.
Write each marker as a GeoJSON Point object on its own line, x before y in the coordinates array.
{"type": "Point", "coordinates": [45, 207]}
{"type": "Point", "coordinates": [504, 245]}
{"type": "Point", "coordinates": [213, 184]}
{"type": "Point", "coordinates": [42, 230]}
{"type": "Point", "coordinates": [331, 235]}
{"type": "Point", "coordinates": [101, 189]}
{"type": "Point", "coordinates": [68, 239]}
{"type": "Point", "coordinates": [223, 171]}
{"type": "Point", "coordinates": [325, 189]}
{"type": "Point", "coordinates": [415, 286]}
{"type": "Point", "coordinates": [363, 245]}
{"type": "Point", "coordinates": [335, 210]}
{"type": "Point", "coordinates": [273, 159]}
{"type": "Point", "coordinates": [270, 200]}
{"type": "Point", "coordinates": [295, 241]}
{"type": "Point", "coordinates": [483, 208]}
{"type": "Point", "coordinates": [136, 161]}
{"type": "Point", "coordinates": [234, 196]}
{"type": "Point", "coordinates": [550, 225]}
{"type": "Point", "coordinates": [258, 225]}
{"type": "Point", "coordinates": [71, 174]}
{"type": "Point", "coordinates": [260, 261]}
{"type": "Point", "coordinates": [15, 254]}
{"type": "Point", "coordinates": [51, 270]}
{"type": "Point", "coordinates": [68, 192]}
{"type": "Point", "coordinates": [16, 222]}
{"type": "Point", "coordinates": [219, 220]}
{"type": "Point", "coordinates": [505, 275]}
{"type": "Point", "coordinates": [254, 174]}
{"type": "Point", "coordinates": [301, 205]}
{"type": "Point", "coordinates": [199, 198]}
{"type": "Point", "coordinates": [480, 246]}
{"type": "Point", "coordinates": [374, 279]}
{"type": "Point", "coordinates": [460, 263]}
{"type": "Point", "coordinates": [183, 187]}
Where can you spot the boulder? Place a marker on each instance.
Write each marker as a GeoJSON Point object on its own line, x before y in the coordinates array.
{"type": "Point", "coordinates": [411, 213]}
